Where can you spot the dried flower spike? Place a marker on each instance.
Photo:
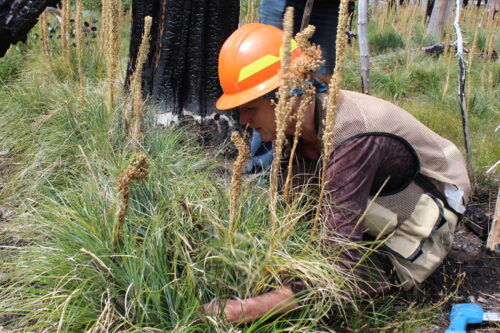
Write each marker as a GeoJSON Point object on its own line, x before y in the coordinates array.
{"type": "Point", "coordinates": [282, 111]}
{"type": "Point", "coordinates": [237, 177]}
{"type": "Point", "coordinates": [137, 170]}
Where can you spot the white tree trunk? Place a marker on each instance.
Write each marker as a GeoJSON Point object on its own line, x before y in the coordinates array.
{"type": "Point", "coordinates": [363, 45]}
{"type": "Point", "coordinates": [492, 6]}
{"type": "Point", "coordinates": [438, 18]}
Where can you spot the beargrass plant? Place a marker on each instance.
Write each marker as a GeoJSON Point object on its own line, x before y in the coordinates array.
{"type": "Point", "coordinates": [174, 253]}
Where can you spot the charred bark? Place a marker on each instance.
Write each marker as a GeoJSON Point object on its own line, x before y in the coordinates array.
{"type": "Point", "coordinates": [428, 10]}
{"type": "Point", "coordinates": [180, 73]}
{"type": "Point", "coordinates": [17, 17]}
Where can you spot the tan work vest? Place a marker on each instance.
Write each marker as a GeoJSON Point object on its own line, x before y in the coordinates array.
{"type": "Point", "coordinates": [418, 222]}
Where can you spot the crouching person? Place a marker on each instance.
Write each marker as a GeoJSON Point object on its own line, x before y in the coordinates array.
{"type": "Point", "coordinates": [378, 147]}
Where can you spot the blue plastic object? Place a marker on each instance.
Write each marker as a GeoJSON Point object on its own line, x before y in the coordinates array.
{"type": "Point", "coordinates": [463, 314]}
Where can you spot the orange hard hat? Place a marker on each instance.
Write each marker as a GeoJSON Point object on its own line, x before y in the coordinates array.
{"type": "Point", "coordinates": [249, 64]}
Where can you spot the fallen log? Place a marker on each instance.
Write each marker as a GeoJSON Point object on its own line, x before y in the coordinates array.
{"type": "Point", "coordinates": [434, 50]}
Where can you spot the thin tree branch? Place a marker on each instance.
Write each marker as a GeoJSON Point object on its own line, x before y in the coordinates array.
{"type": "Point", "coordinates": [461, 88]}
{"type": "Point", "coordinates": [307, 14]}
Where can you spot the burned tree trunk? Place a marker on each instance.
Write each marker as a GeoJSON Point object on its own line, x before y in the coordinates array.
{"type": "Point", "coordinates": [17, 17]}
{"type": "Point", "coordinates": [180, 73]}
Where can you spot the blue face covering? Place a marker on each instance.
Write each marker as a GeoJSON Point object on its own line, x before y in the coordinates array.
{"type": "Point", "coordinates": [320, 88]}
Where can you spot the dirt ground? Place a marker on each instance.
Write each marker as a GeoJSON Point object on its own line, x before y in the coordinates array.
{"type": "Point", "coordinates": [479, 273]}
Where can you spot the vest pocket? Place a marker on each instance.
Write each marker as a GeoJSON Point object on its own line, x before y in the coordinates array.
{"type": "Point", "coordinates": [380, 221]}
{"type": "Point", "coordinates": [408, 239]}
{"type": "Point", "coordinates": [419, 244]}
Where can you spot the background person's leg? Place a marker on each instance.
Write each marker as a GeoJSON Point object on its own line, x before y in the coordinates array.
{"type": "Point", "coordinates": [271, 12]}
{"type": "Point", "coordinates": [324, 17]}
{"type": "Point", "coordinates": [261, 154]}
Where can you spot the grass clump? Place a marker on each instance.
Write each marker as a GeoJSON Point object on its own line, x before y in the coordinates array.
{"type": "Point", "coordinates": [384, 40]}
{"type": "Point", "coordinates": [427, 78]}
{"type": "Point", "coordinates": [392, 85]}
{"type": "Point", "coordinates": [173, 252]}
{"type": "Point", "coordinates": [10, 65]}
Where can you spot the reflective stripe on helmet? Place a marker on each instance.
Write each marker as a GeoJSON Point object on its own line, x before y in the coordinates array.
{"type": "Point", "coordinates": [263, 63]}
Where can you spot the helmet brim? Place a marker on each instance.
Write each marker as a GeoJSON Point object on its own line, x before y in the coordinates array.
{"type": "Point", "coordinates": [231, 101]}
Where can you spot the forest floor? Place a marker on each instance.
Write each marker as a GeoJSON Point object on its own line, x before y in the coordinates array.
{"type": "Point", "coordinates": [480, 270]}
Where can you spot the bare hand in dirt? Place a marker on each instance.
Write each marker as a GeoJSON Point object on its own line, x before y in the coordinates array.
{"type": "Point", "coordinates": [280, 300]}
{"type": "Point", "coordinates": [232, 309]}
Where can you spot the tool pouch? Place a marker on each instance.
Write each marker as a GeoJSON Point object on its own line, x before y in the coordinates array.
{"type": "Point", "coordinates": [419, 244]}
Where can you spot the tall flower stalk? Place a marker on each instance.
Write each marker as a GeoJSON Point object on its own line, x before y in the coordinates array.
{"type": "Point", "coordinates": [111, 10]}
{"type": "Point", "coordinates": [137, 170]}
{"type": "Point", "coordinates": [282, 111]}
{"type": "Point", "coordinates": [65, 32]}
{"type": "Point", "coordinates": [79, 47]}
{"type": "Point", "coordinates": [331, 109]}
{"type": "Point", "coordinates": [45, 40]}
{"type": "Point", "coordinates": [136, 84]}
{"type": "Point", "coordinates": [302, 69]}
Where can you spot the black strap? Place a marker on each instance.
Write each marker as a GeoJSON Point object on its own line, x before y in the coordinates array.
{"type": "Point", "coordinates": [427, 186]}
